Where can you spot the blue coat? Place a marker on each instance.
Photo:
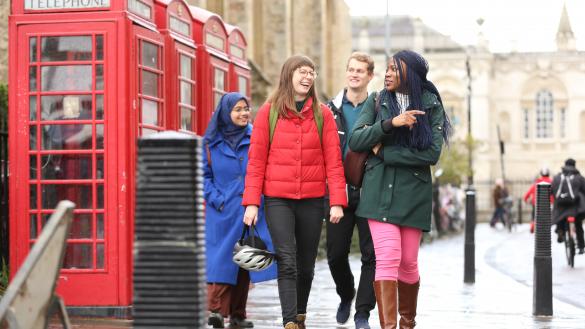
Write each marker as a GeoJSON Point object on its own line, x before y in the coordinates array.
{"type": "Point", "coordinates": [223, 188]}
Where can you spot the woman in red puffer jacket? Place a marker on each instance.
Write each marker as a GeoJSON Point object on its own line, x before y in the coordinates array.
{"type": "Point", "coordinates": [292, 170]}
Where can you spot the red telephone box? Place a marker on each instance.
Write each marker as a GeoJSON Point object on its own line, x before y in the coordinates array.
{"type": "Point", "coordinates": [87, 78]}
{"type": "Point", "coordinates": [211, 39]}
{"type": "Point", "coordinates": [174, 21]}
{"type": "Point", "coordinates": [240, 73]}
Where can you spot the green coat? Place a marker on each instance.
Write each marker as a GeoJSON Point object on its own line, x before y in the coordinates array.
{"type": "Point", "coordinates": [397, 190]}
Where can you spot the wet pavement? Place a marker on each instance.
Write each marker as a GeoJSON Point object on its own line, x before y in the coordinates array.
{"type": "Point", "coordinates": [501, 298]}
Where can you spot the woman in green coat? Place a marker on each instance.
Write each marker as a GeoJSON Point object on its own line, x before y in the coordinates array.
{"type": "Point", "coordinates": [403, 127]}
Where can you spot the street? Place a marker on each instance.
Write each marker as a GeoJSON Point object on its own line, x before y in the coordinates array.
{"type": "Point", "coordinates": [500, 298]}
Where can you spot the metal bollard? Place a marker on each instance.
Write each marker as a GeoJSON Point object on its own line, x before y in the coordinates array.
{"type": "Point", "coordinates": [169, 245]}
{"type": "Point", "coordinates": [519, 210]}
{"type": "Point", "coordinates": [469, 258]}
{"type": "Point", "coordinates": [542, 287]}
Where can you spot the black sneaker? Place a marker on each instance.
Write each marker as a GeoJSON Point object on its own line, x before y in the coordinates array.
{"type": "Point", "coordinates": [581, 251]}
{"type": "Point", "coordinates": [343, 310]}
{"type": "Point", "coordinates": [237, 322]}
{"type": "Point", "coordinates": [361, 323]}
{"type": "Point", "coordinates": [215, 320]}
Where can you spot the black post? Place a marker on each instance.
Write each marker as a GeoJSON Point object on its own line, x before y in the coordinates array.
{"type": "Point", "coordinates": [469, 135]}
{"type": "Point", "coordinates": [542, 288]}
{"type": "Point", "coordinates": [169, 244]}
{"type": "Point", "coordinates": [469, 257]}
{"type": "Point", "coordinates": [519, 210]}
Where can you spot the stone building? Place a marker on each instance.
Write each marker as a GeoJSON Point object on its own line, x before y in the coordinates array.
{"type": "Point", "coordinates": [277, 29]}
{"type": "Point", "coordinates": [535, 98]}
{"type": "Point", "coordinates": [4, 12]}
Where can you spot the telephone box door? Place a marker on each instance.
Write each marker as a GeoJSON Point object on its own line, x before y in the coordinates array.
{"type": "Point", "coordinates": [66, 120]}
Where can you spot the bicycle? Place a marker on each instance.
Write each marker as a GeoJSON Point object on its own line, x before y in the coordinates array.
{"type": "Point", "coordinates": [570, 240]}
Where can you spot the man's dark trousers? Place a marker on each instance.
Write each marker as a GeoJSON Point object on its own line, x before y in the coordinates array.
{"type": "Point", "coordinates": [338, 246]}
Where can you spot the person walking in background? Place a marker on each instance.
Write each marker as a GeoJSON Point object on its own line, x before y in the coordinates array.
{"type": "Point", "coordinates": [568, 190]}
{"type": "Point", "coordinates": [403, 129]}
{"type": "Point", "coordinates": [294, 154]}
{"type": "Point", "coordinates": [225, 157]}
{"type": "Point", "coordinates": [530, 195]}
{"type": "Point", "coordinates": [499, 195]}
{"type": "Point", "coordinates": [346, 107]}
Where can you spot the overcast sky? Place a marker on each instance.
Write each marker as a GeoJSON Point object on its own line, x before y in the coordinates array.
{"type": "Point", "coordinates": [522, 25]}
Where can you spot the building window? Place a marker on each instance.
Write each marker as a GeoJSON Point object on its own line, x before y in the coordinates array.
{"type": "Point", "coordinates": [526, 124]}
{"type": "Point", "coordinates": [562, 123]}
{"type": "Point", "coordinates": [544, 114]}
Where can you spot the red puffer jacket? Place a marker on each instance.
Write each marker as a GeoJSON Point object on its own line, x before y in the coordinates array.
{"type": "Point", "coordinates": [294, 166]}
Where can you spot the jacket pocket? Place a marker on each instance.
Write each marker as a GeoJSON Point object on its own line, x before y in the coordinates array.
{"type": "Point", "coordinates": [423, 174]}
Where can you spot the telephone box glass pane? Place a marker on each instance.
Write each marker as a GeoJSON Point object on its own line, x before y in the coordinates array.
{"type": "Point", "coordinates": [80, 227]}
{"type": "Point", "coordinates": [67, 137]}
{"type": "Point", "coordinates": [33, 226]}
{"type": "Point", "coordinates": [99, 77]}
{"type": "Point", "coordinates": [149, 55]}
{"type": "Point", "coordinates": [66, 166]}
{"type": "Point", "coordinates": [32, 105]}
{"type": "Point", "coordinates": [78, 256]}
{"type": "Point", "coordinates": [32, 53]}
{"type": "Point", "coordinates": [99, 137]}
{"type": "Point", "coordinates": [32, 137]}
{"type": "Point", "coordinates": [66, 77]}
{"type": "Point", "coordinates": [66, 107]}
{"type": "Point", "coordinates": [146, 131]}
{"type": "Point", "coordinates": [32, 78]}
{"type": "Point", "coordinates": [100, 226]}
{"type": "Point", "coordinates": [219, 79]}
{"type": "Point", "coordinates": [33, 196]}
{"type": "Point", "coordinates": [242, 85]}
{"type": "Point", "coordinates": [60, 49]}
{"type": "Point", "coordinates": [186, 93]}
{"type": "Point", "coordinates": [150, 83]}
{"type": "Point", "coordinates": [99, 47]}
{"type": "Point", "coordinates": [99, 262]}
{"type": "Point", "coordinates": [33, 166]}
{"type": "Point", "coordinates": [216, 99]}
{"type": "Point", "coordinates": [99, 107]}
{"type": "Point", "coordinates": [186, 123]}
{"type": "Point", "coordinates": [149, 112]}
{"type": "Point", "coordinates": [100, 196]}
{"type": "Point", "coordinates": [99, 171]}
{"type": "Point", "coordinates": [186, 67]}
{"type": "Point", "coordinates": [80, 194]}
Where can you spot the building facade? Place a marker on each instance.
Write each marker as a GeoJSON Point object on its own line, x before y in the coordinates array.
{"type": "Point", "coordinates": [277, 29]}
{"type": "Point", "coordinates": [535, 100]}
{"type": "Point", "coordinates": [4, 12]}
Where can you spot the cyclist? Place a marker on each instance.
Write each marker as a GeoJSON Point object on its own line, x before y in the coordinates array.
{"type": "Point", "coordinates": [568, 190]}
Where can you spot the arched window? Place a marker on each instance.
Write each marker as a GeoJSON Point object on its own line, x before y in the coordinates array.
{"type": "Point", "coordinates": [544, 114]}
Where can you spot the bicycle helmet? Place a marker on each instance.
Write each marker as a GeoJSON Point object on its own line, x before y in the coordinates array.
{"type": "Point", "coordinates": [544, 172]}
{"type": "Point", "coordinates": [251, 253]}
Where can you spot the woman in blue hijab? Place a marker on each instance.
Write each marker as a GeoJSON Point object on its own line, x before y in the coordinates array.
{"type": "Point", "coordinates": [225, 158]}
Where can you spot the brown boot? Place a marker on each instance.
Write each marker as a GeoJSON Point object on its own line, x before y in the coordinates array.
{"type": "Point", "coordinates": [291, 325]}
{"type": "Point", "coordinates": [301, 320]}
{"type": "Point", "coordinates": [386, 292]}
{"type": "Point", "coordinates": [407, 298]}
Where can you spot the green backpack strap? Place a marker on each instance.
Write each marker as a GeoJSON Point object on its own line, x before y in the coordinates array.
{"type": "Point", "coordinates": [273, 119]}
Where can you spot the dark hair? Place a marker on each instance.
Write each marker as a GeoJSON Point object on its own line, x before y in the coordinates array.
{"type": "Point", "coordinates": [283, 97]}
{"type": "Point", "coordinates": [570, 162]}
{"type": "Point", "coordinates": [414, 83]}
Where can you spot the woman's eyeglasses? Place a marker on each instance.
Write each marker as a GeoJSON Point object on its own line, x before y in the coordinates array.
{"type": "Point", "coordinates": [306, 73]}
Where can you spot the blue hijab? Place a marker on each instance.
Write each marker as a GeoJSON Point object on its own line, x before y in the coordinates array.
{"type": "Point", "coordinates": [221, 124]}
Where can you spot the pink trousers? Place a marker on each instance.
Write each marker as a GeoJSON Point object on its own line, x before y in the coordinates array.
{"type": "Point", "coordinates": [396, 249]}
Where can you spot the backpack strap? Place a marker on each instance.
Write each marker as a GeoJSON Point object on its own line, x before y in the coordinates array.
{"type": "Point", "coordinates": [273, 119]}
